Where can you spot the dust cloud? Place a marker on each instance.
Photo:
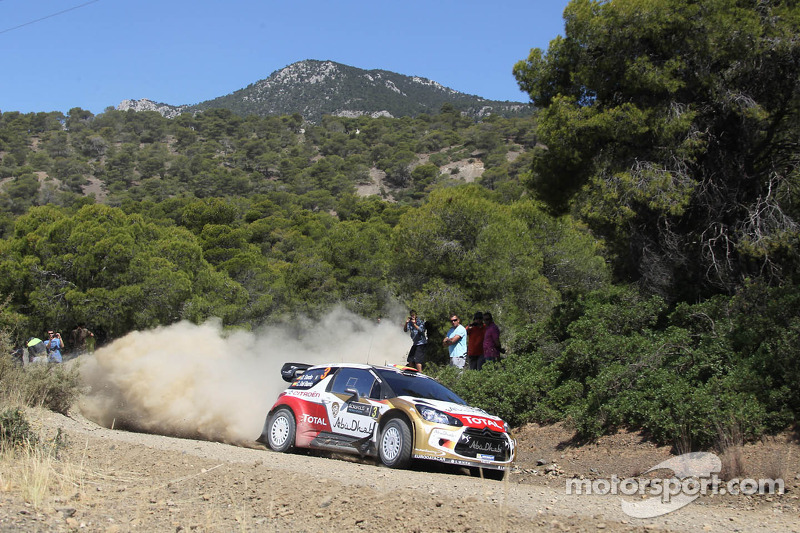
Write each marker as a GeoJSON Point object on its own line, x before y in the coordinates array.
{"type": "Point", "coordinates": [199, 381]}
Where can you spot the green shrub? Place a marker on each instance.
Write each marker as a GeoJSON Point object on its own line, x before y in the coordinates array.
{"type": "Point", "coordinates": [52, 386]}
{"type": "Point", "coordinates": [15, 431]}
{"type": "Point", "coordinates": [615, 359]}
{"type": "Point", "coordinates": [514, 388]}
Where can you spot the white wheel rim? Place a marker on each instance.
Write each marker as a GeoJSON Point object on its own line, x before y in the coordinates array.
{"type": "Point", "coordinates": [279, 431]}
{"type": "Point", "coordinates": [390, 443]}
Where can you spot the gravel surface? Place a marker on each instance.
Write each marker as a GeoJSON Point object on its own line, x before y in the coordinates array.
{"type": "Point", "coordinates": [111, 480]}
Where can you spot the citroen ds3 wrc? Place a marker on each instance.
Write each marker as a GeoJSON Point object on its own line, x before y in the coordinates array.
{"type": "Point", "coordinates": [394, 413]}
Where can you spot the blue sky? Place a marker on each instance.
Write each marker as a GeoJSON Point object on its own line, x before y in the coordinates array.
{"type": "Point", "coordinates": [60, 54]}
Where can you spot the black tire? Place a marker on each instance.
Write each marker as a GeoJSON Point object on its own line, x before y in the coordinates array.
{"type": "Point", "coordinates": [394, 445]}
{"type": "Point", "coordinates": [281, 429]}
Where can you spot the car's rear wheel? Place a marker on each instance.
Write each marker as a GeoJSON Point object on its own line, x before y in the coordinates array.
{"type": "Point", "coordinates": [394, 446]}
{"type": "Point", "coordinates": [281, 428]}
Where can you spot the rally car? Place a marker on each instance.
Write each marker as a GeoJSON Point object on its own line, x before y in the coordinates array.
{"type": "Point", "coordinates": [394, 413]}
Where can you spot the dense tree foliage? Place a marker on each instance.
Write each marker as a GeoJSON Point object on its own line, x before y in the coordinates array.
{"type": "Point", "coordinates": [687, 375]}
{"type": "Point", "coordinates": [118, 272]}
{"type": "Point", "coordinates": [672, 128]}
{"type": "Point", "coordinates": [463, 249]}
{"type": "Point", "coordinates": [267, 205]}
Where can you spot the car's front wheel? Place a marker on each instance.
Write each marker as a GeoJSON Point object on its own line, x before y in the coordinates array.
{"type": "Point", "coordinates": [281, 428]}
{"type": "Point", "coordinates": [394, 446]}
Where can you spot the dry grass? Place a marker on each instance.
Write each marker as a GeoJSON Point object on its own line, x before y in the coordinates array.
{"type": "Point", "coordinates": [35, 472]}
{"type": "Point", "coordinates": [733, 464]}
{"type": "Point", "coordinates": [730, 444]}
{"type": "Point", "coordinates": [777, 465]}
{"type": "Point", "coordinates": [29, 462]}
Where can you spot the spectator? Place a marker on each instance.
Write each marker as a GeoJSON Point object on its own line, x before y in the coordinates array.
{"type": "Point", "coordinates": [37, 351]}
{"type": "Point", "coordinates": [456, 342]}
{"type": "Point", "coordinates": [491, 340]}
{"type": "Point", "coordinates": [475, 333]}
{"type": "Point", "coordinates": [54, 345]}
{"type": "Point", "coordinates": [81, 337]}
{"type": "Point", "coordinates": [415, 326]}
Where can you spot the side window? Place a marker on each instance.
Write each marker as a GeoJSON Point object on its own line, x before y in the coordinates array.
{"type": "Point", "coordinates": [353, 378]}
{"type": "Point", "coordinates": [375, 393]}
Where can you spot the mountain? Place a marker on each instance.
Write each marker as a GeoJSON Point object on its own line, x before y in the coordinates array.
{"type": "Point", "coordinates": [166, 110]}
{"type": "Point", "coordinates": [315, 88]}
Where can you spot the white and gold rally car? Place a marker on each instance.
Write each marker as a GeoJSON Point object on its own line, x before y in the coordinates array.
{"type": "Point", "coordinates": [394, 413]}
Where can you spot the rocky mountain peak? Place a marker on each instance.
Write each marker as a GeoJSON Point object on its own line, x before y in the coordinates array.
{"type": "Point", "coordinates": [314, 88]}
{"type": "Point", "coordinates": [168, 111]}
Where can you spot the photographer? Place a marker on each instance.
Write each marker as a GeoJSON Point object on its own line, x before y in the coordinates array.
{"type": "Point", "coordinates": [415, 326]}
{"type": "Point", "coordinates": [54, 345]}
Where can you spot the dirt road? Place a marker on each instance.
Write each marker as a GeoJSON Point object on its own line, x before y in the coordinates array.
{"type": "Point", "coordinates": [119, 481]}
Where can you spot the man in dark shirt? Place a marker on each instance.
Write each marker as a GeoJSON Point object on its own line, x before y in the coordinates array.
{"type": "Point", "coordinates": [491, 340]}
{"type": "Point", "coordinates": [415, 326]}
{"type": "Point", "coordinates": [475, 332]}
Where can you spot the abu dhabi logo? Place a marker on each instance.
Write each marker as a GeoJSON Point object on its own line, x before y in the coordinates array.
{"type": "Point", "coordinates": [695, 474]}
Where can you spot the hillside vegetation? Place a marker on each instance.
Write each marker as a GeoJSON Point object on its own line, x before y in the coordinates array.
{"type": "Point", "coordinates": [636, 240]}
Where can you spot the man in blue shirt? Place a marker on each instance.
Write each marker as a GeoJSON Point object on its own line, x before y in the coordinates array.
{"type": "Point", "coordinates": [456, 342]}
{"type": "Point", "coordinates": [54, 346]}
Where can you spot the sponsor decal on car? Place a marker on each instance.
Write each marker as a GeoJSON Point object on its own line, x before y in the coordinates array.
{"type": "Point", "coordinates": [302, 393]}
{"type": "Point", "coordinates": [443, 439]}
{"type": "Point", "coordinates": [315, 420]}
{"type": "Point", "coordinates": [445, 434]}
{"type": "Point", "coordinates": [335, 409]}
{"type": "Point", "coordinates": [485, 446]}
{"type": "Point", "coordinates": [363, 409]}
{"type": "Point", "coordinates": [482, 422]}
{"type": "Point", "coordinates": [310, 378]}
{"type": "Point", "coordinates": [444, 459]}
{"type": "Point", "coordinates": [355, 426]}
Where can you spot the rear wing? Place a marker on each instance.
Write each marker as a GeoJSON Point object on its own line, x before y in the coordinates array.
{"type": "Point", "coordinates": [292, 371]}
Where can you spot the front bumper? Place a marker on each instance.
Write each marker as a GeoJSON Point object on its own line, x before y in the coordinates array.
{"type": "Point", "coordinates": [464, 446]}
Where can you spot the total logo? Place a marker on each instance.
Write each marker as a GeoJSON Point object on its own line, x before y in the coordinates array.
{"type": "Point", "coordinates": [480, 421]}
{"type": "Point", "coordinates": [316, 420]}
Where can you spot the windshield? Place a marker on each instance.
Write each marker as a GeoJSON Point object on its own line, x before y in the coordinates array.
{"type": "Point", "coordinates": [419, 387]}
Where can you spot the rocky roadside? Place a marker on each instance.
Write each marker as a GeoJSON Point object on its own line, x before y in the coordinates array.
{"type": "Point", "coordinates": [114, 481]}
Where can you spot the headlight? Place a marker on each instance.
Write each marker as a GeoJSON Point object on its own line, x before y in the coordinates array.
{"type": "Point", "coordinates": [434, 415]}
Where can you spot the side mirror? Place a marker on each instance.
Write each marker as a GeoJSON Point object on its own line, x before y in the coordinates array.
{"type": "Point", "coordinates": [355, 396]}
